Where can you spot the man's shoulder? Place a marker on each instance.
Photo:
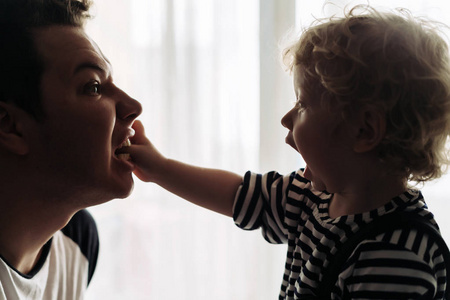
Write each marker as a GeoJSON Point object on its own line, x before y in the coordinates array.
{"type": "Point", "coordinates": [82, 229]}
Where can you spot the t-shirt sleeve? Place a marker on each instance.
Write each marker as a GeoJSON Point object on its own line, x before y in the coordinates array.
{"type": "Point", "coordinates": [261, 203]}
{"type": "Point", "coordinates": [82, 229]}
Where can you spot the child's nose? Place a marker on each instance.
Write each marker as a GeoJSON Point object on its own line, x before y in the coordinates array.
{"type": "Point", "coordinates": [286, 121]}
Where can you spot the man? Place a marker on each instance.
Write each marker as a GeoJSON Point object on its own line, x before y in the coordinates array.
{"type": "Point", "coordinates": [62, 120]}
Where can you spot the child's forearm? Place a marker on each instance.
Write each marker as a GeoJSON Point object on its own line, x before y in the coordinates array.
{"type": "Point", "coordinates": [210, 188]}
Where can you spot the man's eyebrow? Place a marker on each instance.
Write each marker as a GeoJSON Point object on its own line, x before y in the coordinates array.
{"type": "Point", "coordinates": [102, 68]}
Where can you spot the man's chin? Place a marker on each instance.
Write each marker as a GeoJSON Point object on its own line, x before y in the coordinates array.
{"type": "Point", "coordinates": [125, 191]}
{"type": "Point", "coordinates": [121, 190]}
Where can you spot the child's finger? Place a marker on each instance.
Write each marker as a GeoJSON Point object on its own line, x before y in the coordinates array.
{"type": "Point", "coordinates": [139, 138]}
{"type": "Point", "coordinates": [146, 159]}
{"type": "Point", "coordinates": [143, 155]}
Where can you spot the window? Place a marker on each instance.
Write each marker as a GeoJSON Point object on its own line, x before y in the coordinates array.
{"type": "Point", "coordinates": [213, 90]}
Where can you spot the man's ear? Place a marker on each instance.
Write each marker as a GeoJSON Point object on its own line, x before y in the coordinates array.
{"type": "Point", "coordinates": [371, 129]}
{"type": "Point", "coordinates": [11, 135]}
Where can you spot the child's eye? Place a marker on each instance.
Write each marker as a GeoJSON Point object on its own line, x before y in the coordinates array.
{"type": "Point", "coordinates": [92, 88]}
{"type": "Point", "coordinates": [300, 106]}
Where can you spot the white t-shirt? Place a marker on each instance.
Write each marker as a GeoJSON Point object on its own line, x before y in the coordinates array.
{"type": "Point", "coordinates": [64, 270]}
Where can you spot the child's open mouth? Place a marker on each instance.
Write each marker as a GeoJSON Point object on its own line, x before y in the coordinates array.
{"type": "Point", "coordinates": [120, 154]}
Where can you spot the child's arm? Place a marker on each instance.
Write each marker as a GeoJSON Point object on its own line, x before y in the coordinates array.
{"type": "Point", "coordinates": [211, 188]}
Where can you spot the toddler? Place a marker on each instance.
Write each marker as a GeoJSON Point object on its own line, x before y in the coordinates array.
{"type": "Point", "coordinates": [372, 115]}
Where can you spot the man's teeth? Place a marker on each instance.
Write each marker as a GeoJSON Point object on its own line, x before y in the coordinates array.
{"type": "Point", "coordinates": [124, 156]}
{"type": "Point", "coordinates": [127, 143]}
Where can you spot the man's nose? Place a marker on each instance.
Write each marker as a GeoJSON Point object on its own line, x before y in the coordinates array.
{"type": "Point", "coordinates": [128, 109]}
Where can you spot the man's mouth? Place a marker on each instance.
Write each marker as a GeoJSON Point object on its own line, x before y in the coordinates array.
{"type": "Point", "coordinates": [120, 154]}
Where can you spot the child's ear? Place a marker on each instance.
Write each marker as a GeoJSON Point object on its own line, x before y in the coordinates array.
{"type": "Point", "coordinates": [371, 130]}
{"type": "Point", "coordinates": [11, 137]}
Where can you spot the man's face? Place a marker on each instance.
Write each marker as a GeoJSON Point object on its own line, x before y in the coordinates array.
{"type": "Point", "coordinates": [86, 119]}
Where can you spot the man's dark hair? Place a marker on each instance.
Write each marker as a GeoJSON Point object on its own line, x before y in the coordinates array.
{"type": "Point", "coordinates": [20, 65]}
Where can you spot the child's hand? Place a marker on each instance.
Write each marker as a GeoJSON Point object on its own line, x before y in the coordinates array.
{"type": "Point", "coordinates": [211, 188]}
{"type": "Point", "coordinates": [144, 155]}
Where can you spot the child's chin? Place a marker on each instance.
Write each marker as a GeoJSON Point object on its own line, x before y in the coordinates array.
{"type": "Point", "coordinates": [307, 173]}
{"type": "Point", "coordinates": [318, 186]}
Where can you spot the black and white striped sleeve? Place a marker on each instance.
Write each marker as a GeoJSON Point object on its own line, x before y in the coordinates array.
{"type": "Point", "coordinates": [261, 203]}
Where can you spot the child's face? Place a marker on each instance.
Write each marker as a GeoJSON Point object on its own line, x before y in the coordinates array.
{"type": "Point", "coordinates": [317, 134]}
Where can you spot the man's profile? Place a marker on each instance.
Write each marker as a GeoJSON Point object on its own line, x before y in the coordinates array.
{"type": "Point", "coordinates": [62, 119]}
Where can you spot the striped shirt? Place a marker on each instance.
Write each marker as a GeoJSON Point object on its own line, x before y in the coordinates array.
{"type": "Point", "coordinates": [402, 264]}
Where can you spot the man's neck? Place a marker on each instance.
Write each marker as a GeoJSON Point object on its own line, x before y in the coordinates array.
{"type": "Point", "coordinates": [24, 263]}
{"type": "Point", "coordinates": [25, 227]}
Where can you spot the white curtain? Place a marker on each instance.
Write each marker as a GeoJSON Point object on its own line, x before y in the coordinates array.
{"type": "Point", "coordinates": [208, 75]}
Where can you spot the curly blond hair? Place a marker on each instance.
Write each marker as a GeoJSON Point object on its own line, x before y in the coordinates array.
{"type": "Point", "coordinates": [394, 62]}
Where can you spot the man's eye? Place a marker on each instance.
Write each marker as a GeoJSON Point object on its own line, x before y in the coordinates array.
{"type": "Point", "coordinates": [92, 88]}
